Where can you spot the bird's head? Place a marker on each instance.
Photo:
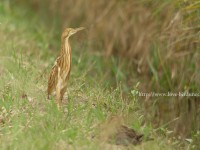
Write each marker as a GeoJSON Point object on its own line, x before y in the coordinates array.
{"type": "Point", "coordinates": [70, 31]}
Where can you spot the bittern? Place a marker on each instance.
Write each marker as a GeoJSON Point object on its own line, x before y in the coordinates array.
{"type": "Point", "coordinates": [60, 72]}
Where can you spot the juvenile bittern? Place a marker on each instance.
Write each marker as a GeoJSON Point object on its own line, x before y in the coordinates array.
{"type": "Point", "coordinates": [60, 72]}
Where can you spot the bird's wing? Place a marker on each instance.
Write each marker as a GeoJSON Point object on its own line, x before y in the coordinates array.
{"type": "Point", "coordinates": [53, 78]}
{"type": "Point", "coordinates": [65, 67]}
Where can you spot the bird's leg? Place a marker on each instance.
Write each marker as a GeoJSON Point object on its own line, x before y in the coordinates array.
{"type": "Point", "coordinates": [62, 92]}
{"type": "Point", "coordinates": [58, 89]}
{"type": "Point", "coordinates": [58, 96]}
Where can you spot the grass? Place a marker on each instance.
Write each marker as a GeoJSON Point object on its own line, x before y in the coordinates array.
{"type": "Point", "coordinates": [29, 121]}
{"type": "Point", "coordinates": [160, 50]}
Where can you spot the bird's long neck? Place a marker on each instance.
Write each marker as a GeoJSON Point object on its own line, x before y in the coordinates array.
{"type": "Point", "coordinates": [65, 48]}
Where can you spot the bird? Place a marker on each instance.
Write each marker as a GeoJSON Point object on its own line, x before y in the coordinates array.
{"type": "Point", "coordinates": [60, 72]}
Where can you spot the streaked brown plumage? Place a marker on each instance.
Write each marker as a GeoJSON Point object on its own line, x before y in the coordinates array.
{"type": "Point", "coordinates": [60, 72]}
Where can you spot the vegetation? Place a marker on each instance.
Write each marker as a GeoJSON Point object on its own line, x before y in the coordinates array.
{"type": "Point", "coordinates": [121, 48]}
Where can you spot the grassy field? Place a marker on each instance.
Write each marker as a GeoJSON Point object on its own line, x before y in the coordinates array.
{"type": "Point", "coordinates": [28, 49]}
{"type": "Point", "coordinates": [138, 42]}
{"type": "Point", "coordinates": [142, 43]}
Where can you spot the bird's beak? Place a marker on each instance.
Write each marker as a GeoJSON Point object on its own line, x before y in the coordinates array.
{"type": "Point", "coordinates": [77, 29]}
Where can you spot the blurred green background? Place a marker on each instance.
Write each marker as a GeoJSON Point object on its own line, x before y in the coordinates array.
{"type": "Point", "coordinates": [153, 42]}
